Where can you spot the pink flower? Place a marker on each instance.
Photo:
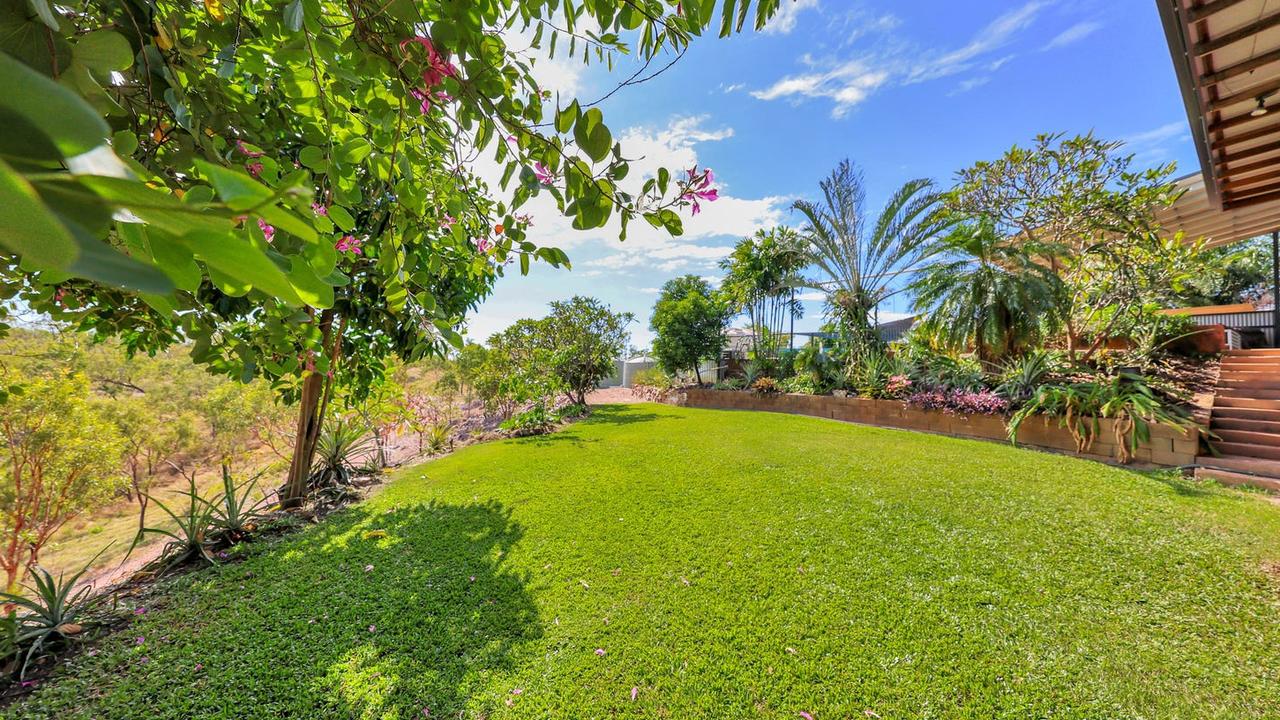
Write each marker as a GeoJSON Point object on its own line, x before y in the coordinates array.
{"type": "Point", "coordinates": [806, 715]}
{"type": "Point", "coordinates": [442, 96]}
{"type": "Point", "coordinates": [267, 230]}
{"type": "Point", "coordinates": [438, 66]}
{"type": "Point", "coordinates": [373, 628]}
{"type": "Point", "coordinates": [484, 245]}
{"type": "Point", "coordinates": [634, 692]}
{"type": "Point", "coordinates": [697, 186]}
{"type": "Point", "coordinates": [140, 611]}
{"type": "Point", "coordinates": [447, 221]}
{"type": "Point", "coordinates": [199, 667]}
{"type": "Point", "coordinates": [140, 639]}
{"type": "Point", "coordinates": [255, 169]}
{"type": "Point", "coordinates": [600, 652]}
{"type": "Point", "coordinates": [350, 244]}
{"type": "Point", "coordinates": [247, 152]}
{"type": "Point", "coordinates": [422, 98]}
{"type": "Point", "coordinates": [545, 176]}
{"type": "Point", "coordinates": [368, 568]}
{"type": "Point", "coordinates": [319, 209]}
{"type": "Point", "coordinates": [525, 219]}
{"type": "Point", "coordinates": [517, 691]}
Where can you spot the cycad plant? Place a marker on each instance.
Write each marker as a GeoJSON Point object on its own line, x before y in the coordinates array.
{"type": "Point", "coordinates": [858, 265]}
{"type": "Point", "coordinates": [235, 513]}
{"type": "Point", "coordinates": [984, 292]}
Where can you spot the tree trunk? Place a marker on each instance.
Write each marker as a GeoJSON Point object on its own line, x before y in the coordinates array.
{"type": "Point", "coordinates": [310, 417]}
{"type": "Point", "coordinates": [697, 372]}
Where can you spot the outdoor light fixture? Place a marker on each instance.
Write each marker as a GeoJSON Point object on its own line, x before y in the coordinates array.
{"type": "Point", "coordinates": [1262, 107]}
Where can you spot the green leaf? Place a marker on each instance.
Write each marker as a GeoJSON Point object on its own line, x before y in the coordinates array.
{"type": "Point", "coordinates": [567, 117]}
{"type": "Point", "coordinates": [102, 263]}
{"type": "Point", "coordinates": [72, 125]}
{"type": "Point", "coordinates": [341, 218]}
{"type": "Point", "coordinates": [354, 150]}
{"type": "Point", "coordinates": [592, 135]}
{"type": "Point", "coordinates": [45, 12]}
{"type": "Point", "coordinates": [173, 258]}
{"type": "Point", "coordinates": [28, 228]}
{"type": "Point", "coordinates": [310, 288]}
{"type": "Point", "coordinates": [238, 190]}
{"type": "Point", "coordinates": [236, 258]}
{"type": "Point", "coordinates": [314, 158]}
{"type": "Point", "coordinates": [103, 51]}
{"type": "Point", "coordinates": [284, 220]}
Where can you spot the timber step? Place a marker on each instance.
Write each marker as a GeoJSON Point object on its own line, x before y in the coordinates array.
{"type": "Point", "coordinates": [1252, 403]}
{"type": "Point", "coordinates": [1256, 393]}
{"type": "Point", "coordinates": [1245, 413]}
{"type": "Point", "coordinates": [1235, 477]}
{"type": "Point", "coordinates": [1246, 437]}
{"type": "Point", "coordinates": [1255, 426]}
{"type": "Point", "coordinates": [1247, 449]}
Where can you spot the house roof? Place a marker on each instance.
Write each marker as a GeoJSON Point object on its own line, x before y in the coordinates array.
{"type": "Point", "coordinates": [1226, 54]}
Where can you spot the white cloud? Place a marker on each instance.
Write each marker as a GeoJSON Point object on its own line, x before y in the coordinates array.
{"type": "Point", "coordinates": [812, 296]}
{"type": "Point", "coordinates": [992, 37]}
{"type": "Point", "coordinates": [735, 87]}
{"type": "Point", "coordinates": [849, 81]}
{"type": "Point", "coordinates": [784, 21]}
{"type": "Point", "coordinates": [1155, 136]}
{"type": "Point", "coordinates": [970, 84]}
{"type": "Point", "coordinates": [1075, 33]}
{"type": "Point", "coordinates": [847, 84]}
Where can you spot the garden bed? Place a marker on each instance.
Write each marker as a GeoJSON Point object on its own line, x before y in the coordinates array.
{"type": "Point", "coordinates": [1166, 447]}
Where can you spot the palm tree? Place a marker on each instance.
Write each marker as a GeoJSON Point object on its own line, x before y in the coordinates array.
{"type": "Point", "coordinates": [761, 275]}
{"type": "Point", "coordinates": [983, 292]}
{"type": "Point", "coordinates": [858, 266]}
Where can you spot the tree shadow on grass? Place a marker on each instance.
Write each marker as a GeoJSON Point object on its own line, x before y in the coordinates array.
{"type": "Point", "coordinates": [373, 614]}
{"type": "Point", "coordinates": [626, 415]}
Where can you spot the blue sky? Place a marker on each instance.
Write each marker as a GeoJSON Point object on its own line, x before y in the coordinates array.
{"type": "Point", "coordinates": [905, 90]}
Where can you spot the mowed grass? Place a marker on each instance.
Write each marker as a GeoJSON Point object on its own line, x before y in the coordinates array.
{"type": "Point", "coordinates": [727, 565]}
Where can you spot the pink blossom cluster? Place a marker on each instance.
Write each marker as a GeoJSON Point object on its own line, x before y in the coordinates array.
{"type": "Point", "coordinates": [349, 244]}
{"type": "Point", "coordinates": [697, 186]}
{"type": "Point", "coordinates": [438, 68]}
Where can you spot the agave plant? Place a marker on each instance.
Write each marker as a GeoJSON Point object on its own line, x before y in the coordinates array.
{"type": "Point", "coordinates": [234, 514]}
{"type": "Point", "coordinates": [438, 437]}
{"type": "Point", "coordinates": [48, 616]}
{"type": "Point", "coordinates": [192, 535]}
{"type": "Point", "coordinates": [340, 445]}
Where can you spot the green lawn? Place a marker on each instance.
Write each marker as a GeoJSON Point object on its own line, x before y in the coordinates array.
{"type": "Point", "coordinates": [728, 565]}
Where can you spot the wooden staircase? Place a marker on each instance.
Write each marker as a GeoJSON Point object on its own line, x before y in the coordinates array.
{"type": "Point", "coordinates": [1246, 420]}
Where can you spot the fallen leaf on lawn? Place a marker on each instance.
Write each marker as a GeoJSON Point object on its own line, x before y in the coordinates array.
{"type": "Point", "coordinates": [69, 628]}
{"type": "Point", "coordinates": [584, 584]}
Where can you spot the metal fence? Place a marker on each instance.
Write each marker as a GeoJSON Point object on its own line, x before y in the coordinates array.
{"type": "Point", "coordinates": [1260, 320]}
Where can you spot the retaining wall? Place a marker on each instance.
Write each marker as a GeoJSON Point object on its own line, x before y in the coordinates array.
{"type": "Point", "coordinates": [1166, 448]}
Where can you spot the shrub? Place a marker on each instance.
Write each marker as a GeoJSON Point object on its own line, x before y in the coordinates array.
{"type": "Point", "coordinates": [1021, 376]}
{"type": "Point", "coordinates": [341, 444]}
{"type": "Point", "coordinates": [573, 412]}
{"type": "Point", "coordinates": [959, 402]}
{"type": "Point", "coordinates": [801, 385]}
{"type": "Point", "coordinates": [766, 386]}
{"type": "Point", "coordinates": [653, 377]}
{"type": "Point", "coordinates": [537, 420]}
{"type": "Point", "coordinates": [191, 535]}
{"type": "Point", "coordinates": [438, 437]}
{"type": "Point", "coordinates": [730, 384]}
{"type": "Point", "coordinates": [1126, 398]}
{"type": "Point", "coordinates": [234, 514]}
{"type": "Point", "coordinates": [873, 374]}
{"type": "Point", "coordinates": [47, 617]}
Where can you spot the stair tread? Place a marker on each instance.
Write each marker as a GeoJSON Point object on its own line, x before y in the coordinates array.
{"type": "Point", "coordinates": [1231, 477]}
{"type": "Point", "coordinates": [1247, 449]}
{"type": "Point", "coordinates": [1248, 437]}
{"type": "Point", "coordinates": [1230, 423]}
{"type": "Point", "coordinates": [1258, 466]}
